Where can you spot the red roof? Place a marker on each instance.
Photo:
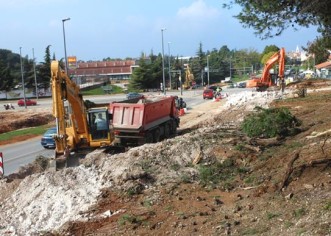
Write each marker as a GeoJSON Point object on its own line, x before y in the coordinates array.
{"type": "Point", "coordinates": [326, 64]}
{"type": "Point", "coordinates": [103, 67]}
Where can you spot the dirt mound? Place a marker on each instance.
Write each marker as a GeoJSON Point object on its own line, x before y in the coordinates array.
{"type": "Point", "coordinates": [13, 120]}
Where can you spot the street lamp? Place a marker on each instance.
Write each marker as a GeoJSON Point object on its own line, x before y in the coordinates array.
{"type": "Point", "coordinates": [164, 91]}
{"type": "Point", "coordinates": [169, 64]}
{"type": "Point", "coordinates": [65, 48]}
{"type": "Point", "coordinates": [208, 68]}
{"type": "Point", "coordinates": [22, 78]}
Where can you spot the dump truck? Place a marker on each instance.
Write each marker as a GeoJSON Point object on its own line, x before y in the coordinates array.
{"type": "Point", "coordinates": [144, 120]}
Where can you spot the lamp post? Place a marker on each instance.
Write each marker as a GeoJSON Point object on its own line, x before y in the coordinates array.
{"type": "Point", "coordinates": [34, 72]}
{"type": "Point", "coordinates": [22, 78]}
{"type": "Point", "coordinates": [164, 91]}
{"type": "Point", "coordinates": [65, 48]}
{"type": "Point", "coordinates": [208, 69]}
{"type": "Point", "coordinates": [169, 65]}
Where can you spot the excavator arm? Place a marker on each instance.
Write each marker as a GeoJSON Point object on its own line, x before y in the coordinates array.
{"type": "Point", "coordinates": [278, 56]}
{"type": "Point", "coordinates": [265, 80]}
{"type": "Point", "coordinates": [189, 78]}
{"type": "Point", "coordinates": [71, 120]}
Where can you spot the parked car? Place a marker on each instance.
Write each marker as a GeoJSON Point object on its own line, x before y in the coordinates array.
{"type": "Point", "coordinates": [208, 93]}
{"type": "Point", "coordinates": [132, 95]}
{"type": "Point", "coordinates": [242, 85]}
{"type": "Point", "coordinates": [28, 102]}
{"type": "Point", "coordinates": [47, 141]}
{"type": "Point", "coordinates": [230, 85]}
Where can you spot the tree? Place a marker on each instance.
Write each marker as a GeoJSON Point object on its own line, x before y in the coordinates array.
{"type": "Point", "coordinates": [271, 17]}
{"type": "Point", "coordinates": [149, 73]}
{"type": "Point", "coordinates": [10, 69]}
{"type": "Point", "coordinates": [319, 48]}
{"type": "Point", "coordinates": [44, 69]}
{"type": "Point", "coordinates": [28, 72]}
{"type": "Point", "coordinates": [198, 63]}
{"type": "Point", "coordinates": [6, 80]}
{"type": "Point", "coordinates": [177, 65]}
{"type": "Point", "coordinates": [270, 48]}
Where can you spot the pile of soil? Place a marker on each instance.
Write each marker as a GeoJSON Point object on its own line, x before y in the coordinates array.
{"type": "Point", "coordinates": [209, 180]}
{"type": "Point", "coordinates": [12, 120]}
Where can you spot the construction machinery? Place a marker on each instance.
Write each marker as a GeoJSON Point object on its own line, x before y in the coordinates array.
{"type": "Point", "coordinates": [144, 120]}
{"type": "Point", "coordinates": [77, 126]}
{"type": "Point", "coordinates": [189, 78]}
{"type": "Point", "coordinates": [266, 81]}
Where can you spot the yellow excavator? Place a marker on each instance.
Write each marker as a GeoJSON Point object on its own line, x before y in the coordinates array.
{"type": "Point", "coordinates": [189, 78]}
{"type": "Point", "coordinates": [78, 126]}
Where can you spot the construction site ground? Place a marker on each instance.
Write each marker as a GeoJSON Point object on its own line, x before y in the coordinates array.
{"type": "Point", "coordinates": [211, 179]}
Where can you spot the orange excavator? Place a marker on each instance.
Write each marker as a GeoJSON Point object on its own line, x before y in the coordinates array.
{"type": "Point", "coordinates": [266, 81]}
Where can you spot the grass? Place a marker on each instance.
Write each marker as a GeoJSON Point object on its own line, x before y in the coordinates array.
{"type": "Point", "coordinates": [250, 179]}
{"type": "Point", "coordinates": [21, 132]}
{"type": "Point", "coordinates": [294, 145]}
{"type": "Point", "coordinates": [100, 91]}
{"type": "Point", "coordinates": [128, 218]}
{"type": "Point", "coordinates": [327, 206]}
{"type": "Point", "coordinates": [255, 231]}
{"type": "Point", "coordinates": [271, 215]}
{"type": "Point", "coordinates": [219, 173]}
{"type": "Point", "coordinates": [299, 212]}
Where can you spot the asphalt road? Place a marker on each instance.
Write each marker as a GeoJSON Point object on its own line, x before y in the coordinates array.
{"type": "Point", "coordinates": [22, 153]}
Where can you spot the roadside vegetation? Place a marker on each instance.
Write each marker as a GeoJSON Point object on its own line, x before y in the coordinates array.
{"type": "Point", "coordinates": [101, 90]}
{"type": "Point", "coordinates": [32, 131]}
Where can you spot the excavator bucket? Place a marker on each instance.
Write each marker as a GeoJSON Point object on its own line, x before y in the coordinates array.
{"type": "Point", "coordinates": [252, 83]}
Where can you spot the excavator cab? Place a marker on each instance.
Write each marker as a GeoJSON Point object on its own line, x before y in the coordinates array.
{"type": "Point", "coordinates": [99, 121]}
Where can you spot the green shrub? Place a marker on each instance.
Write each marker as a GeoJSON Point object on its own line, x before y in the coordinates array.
{"type": "Point", "coordinates": [128, 218]}
{"type": "Point", "coordinates": [219, 173]}
{"type": "Point", "coordinates": [268, 123]}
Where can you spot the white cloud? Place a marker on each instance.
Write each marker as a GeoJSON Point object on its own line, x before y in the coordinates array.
{"type": "Point", "coordinates": [197, 9]}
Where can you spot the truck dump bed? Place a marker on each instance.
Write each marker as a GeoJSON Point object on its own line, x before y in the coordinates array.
{"type": "Point", "coordinates": [143, 113]}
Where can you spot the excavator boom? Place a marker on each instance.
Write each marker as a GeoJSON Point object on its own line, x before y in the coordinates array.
{"type": "Point", "coordinates": [265, 80]}
{"type": "Point", "coordinates": [77, 126]}
{"type": "Point", "coordinates": [189, 78]}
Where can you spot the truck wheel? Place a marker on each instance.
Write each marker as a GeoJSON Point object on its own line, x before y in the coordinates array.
{"type": "Point", "coordinates": [149, 138]}
{"type": "Point", "coordinates": [156, 135]}
{"type": "Point", "coordinates": [167, 130]}
{"type": "Point", "coordinates": [173, 127]}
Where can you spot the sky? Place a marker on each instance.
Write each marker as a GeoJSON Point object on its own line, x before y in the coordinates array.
{"type": "Point", "coordinates": [100, 29]}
